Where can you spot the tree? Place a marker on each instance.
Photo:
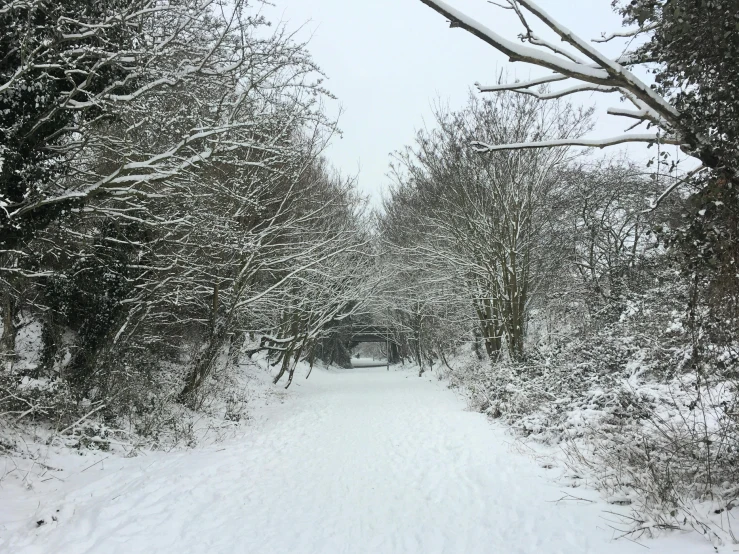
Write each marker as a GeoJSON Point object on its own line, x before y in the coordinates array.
{"type": "Point", "coordinates": [188, 206]}
{"type": "Point", "coordinates": [114, 106]}
{"type": "Point", "coordinates": [693, 44]}
{"type": "Point", "coordinates": [692, 49]}
{"type": "Point", "coordinates": [487, 218]}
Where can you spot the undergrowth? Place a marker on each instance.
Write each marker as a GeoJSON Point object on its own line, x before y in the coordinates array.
{"type": "Point", "coordinates": [653, 419]}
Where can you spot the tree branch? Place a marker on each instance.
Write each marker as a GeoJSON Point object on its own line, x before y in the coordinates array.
{"type": "Point", "coordinates": [603, 72]}
{"type": "Point", "coordinates": [592, 143]}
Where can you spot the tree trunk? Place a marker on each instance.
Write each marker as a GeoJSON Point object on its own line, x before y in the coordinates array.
{"type": "Point", "coordinates": [476, 343]}
{"type": "Point", "coordinates": [9, 331]}
{"type": "Point", "coordinates": [296, 359]}
{"type": "Point", "coordinates": [51, 336]}
{"type": "Point", "coordinates": [490, 328]}
{"type": "Point", "coordinates": [311, 358]}
{"type": "Point", "coordinates": [286, 355]}
{"type": "Point", "coordinates": [204, 366]}
{"type": "Point", "coordinates": [394, 354]}
{"type": "Point", "coordinates": [205, 363]}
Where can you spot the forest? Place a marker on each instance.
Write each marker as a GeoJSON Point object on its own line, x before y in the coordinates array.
{"type": "Point", "coordinates": [168, 213]}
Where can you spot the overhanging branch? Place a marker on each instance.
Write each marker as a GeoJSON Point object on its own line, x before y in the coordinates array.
{"type": "Point", "coordinates": [591, 143]}
{"type": "Point", "coordinates": [602, 72]}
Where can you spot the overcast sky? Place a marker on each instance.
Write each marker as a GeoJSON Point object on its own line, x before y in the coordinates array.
{"type": "Point", "coordinates": [387, 61]}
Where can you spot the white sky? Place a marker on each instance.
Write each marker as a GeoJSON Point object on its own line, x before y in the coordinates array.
{"type": "Point", "coordinates": [387, 61]}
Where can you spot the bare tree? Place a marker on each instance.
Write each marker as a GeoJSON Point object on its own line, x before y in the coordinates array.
{"type": "Point", "coordinates": [189, 206]}
{"type": "Point", "coordinates": [109, 72]}
{"type": "Point", "coordinates": [487, 216]}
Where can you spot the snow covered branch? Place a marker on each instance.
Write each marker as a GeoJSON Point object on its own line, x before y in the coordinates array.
{"type": "Point", "coordinates": [650, 138]}
{"type": "Point", "coordinates": [596, 72]}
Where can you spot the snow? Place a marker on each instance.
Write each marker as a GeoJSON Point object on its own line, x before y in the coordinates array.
{"type": "Point", "coordinates": [28, 345]}
{"type": "Point", "coordinates": [361, 460]}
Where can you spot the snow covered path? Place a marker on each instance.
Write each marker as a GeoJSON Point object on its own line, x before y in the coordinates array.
{"type": "Point", "coordinates": [362, 461]}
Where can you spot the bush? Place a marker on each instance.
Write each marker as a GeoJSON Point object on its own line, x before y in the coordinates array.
{"type": "Point", "coordinates": [651, 417]}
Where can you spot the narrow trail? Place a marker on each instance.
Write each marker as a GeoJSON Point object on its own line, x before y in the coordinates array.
{"type": "Point", "coordinates": [361, 461]}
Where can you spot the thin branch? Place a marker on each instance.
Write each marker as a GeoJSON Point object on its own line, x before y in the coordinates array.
{"type": "Point", "coordinates": [522, 85]}
{"type": "Point", "coordinates": [592, 143]}
{"type": "Point", "coordinates": [567, 91]}
{"type": "Point", "coordinates": [625, 34]}
{"type": "Point", "coordinates": [672, 187]}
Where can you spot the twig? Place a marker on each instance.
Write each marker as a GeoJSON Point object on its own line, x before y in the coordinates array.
{"type": "Point", "coordinates": [672, 187]}
{"type": "Point", "coordinates": [96, 463]}
{"type": "Point", "coordinates": [80, 420]}
{"type": "Point", "coordinates": [568, 496]}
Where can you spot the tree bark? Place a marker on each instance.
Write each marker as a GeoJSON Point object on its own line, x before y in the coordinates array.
{"type": "Point", "coordinates": [9, 330]}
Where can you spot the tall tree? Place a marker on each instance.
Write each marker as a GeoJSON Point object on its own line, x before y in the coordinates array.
{"type": "Point", "coordinates": [488, 217]}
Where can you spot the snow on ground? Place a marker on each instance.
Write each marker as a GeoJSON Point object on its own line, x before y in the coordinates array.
{"type": "Point", "coordinates": [352, 461]}
{"type": "Point", "coordinates": [368, 362]}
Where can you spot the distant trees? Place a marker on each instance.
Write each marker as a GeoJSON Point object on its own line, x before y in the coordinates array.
{"type": "Point", "coordinates": [609, 228]}
{"type": "Point", "coordinates": [488, 220]}
{"type": "Point", "coordinates": [509, 248]}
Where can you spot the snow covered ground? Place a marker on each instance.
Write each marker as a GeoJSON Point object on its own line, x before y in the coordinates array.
{"type": "Point", "coordinates": [353, 461]}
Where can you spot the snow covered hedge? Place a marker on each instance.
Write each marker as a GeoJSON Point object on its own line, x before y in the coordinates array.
{"type": "Point", "coordinates": [634, 406]}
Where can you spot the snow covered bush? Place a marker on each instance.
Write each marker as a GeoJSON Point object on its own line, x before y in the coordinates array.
{"type": "Point", "coordinates": [677, 464]}
{"type": "Point", "coordinates": [25, 398]}
{"type": "Point", "coordinates": [654, 423]}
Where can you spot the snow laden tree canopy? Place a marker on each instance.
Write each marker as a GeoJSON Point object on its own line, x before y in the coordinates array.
{"type": "Point", "coordinates": [484, 223]}
{"type": "Point", "coordinates": [691, 48]}
{"type": "Point", "coordinates": [164, 200]}
{"type": "Point", "coordinates": [82, 86]}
